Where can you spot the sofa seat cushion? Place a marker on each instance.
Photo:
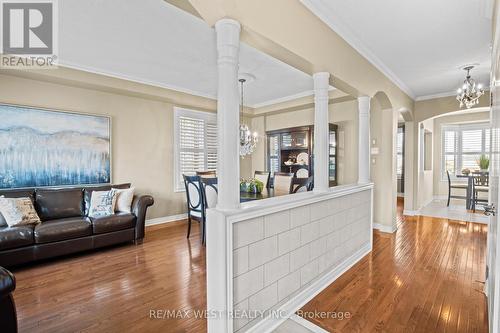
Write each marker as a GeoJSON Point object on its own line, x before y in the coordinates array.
{"type": "Point", "coordinates": [13, 237]}
{"type": "Point", "coordinates": [62, 229]}
{"type": "Point", "coordinates": [118, 221]}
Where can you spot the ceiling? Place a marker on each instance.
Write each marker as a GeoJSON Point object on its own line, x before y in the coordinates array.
{"type": "Point", "coordinates": [419, 45]}
{"type": "Point", "coordinates": [153, 42]}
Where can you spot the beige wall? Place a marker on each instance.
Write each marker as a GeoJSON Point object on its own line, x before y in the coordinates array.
{"type": "Point", "coordinates": [441, 186]}
{"type": "Point", "coordinates": [383, 127]}
{"type": "Point", "coordinates": [142, 133]}
{"type": "Point", "coordinates": [344, 114]}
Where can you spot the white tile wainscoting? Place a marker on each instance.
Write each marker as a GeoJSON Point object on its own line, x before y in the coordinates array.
{"type": "Point", "coordinates": [275, 255]}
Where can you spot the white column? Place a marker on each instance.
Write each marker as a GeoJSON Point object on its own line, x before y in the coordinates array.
{"type": "Point", "coordinates": [321, 130]}
{"type": "Point", "coordinates": [364, 140]}
{"type": "Point", "coordinates": [228, 116]}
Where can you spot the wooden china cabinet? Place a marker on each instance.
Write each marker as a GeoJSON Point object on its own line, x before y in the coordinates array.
{"type": "Point", "coordinates": [291, 150]}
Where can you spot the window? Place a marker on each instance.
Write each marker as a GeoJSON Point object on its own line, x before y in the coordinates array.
{"type": "Point", "coordinates": [400, 143]}
{"type": "Point", "coordinates": [462, 145]}
{"type": "Point", "coordinates": [195, 143]}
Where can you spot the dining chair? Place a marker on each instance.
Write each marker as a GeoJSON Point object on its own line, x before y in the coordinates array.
{"type": "Point", "coordinates": [195, 203]}
{"type": "Point", "coordinates": [207, 174]}
{"type": "Point", "coordinates": [454, 186]}
{"type": "Point", "coordinates": [210, 193]}
{"type": "Point", "coordinates": [263, 176]}
{"type": "Point", "coordinates": [282, 182]}
{"type": "Point", "coordinates": [302, 173]}
{"type": "Point", "coordinates": [301, 185]}
{"type": "Point", "coordinates": [480, 184]}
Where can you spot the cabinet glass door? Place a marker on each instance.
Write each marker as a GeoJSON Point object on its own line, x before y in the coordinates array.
{"type": "Point", "coordinates": [286, 140]}
{"type": "Point", "coordinates": [274, 154]}
{"type": "Point", "coordinates": [299, 139]}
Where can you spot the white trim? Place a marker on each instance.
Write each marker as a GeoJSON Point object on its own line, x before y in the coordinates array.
{"type": "Point", "coordinates": [325, 14]}
{"type": "Point", "coordinates": [444, 94]}
{"type": "Point", "coordinates": [385, 228]}
{"type": "Point", "coordinates": [307, 324]}
{"type": "Point", "coordinates": [287, 98]}
{"type": "Point", "coordinates": [432, 96]}
{"type": "Point", "coordinates": [165, 219]}
{"type": "Point", "coordinates": [130, 78]}
{"type": "Point", "coordinates": [298, 301]}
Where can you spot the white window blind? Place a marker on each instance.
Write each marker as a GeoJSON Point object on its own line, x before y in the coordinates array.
{"type": "Point", "coordinates": [462, 145]}
{"type": "Point", "coordinates": [195, 143]}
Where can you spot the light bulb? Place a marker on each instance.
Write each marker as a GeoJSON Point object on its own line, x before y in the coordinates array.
{"type": "Point", "coordinates": [479, 86]}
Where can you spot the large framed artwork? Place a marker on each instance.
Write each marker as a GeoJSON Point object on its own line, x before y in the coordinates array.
{"type": "Point", "coordinates": [41, 147]}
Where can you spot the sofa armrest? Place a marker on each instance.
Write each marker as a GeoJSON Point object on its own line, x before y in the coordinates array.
{"type": "Point", "coordinates": [140, 205]}
{"type": "Point", "coordinates": [7, 282]}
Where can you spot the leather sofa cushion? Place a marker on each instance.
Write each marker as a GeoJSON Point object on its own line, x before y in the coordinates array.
{"type": "Point", "coordinates": [30, 193]}
{"type": "Point", "coordinates": [118, 221]}
{"type": "Point", "coordinates": [52, 204]}
{"type": "Point", "coordinates": [13, 237]}
{"type": "Point", "coordinates": [62, 229]}
{"type": "Point", "coordinates": [88, 192]}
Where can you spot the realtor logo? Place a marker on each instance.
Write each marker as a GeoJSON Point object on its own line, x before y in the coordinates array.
{"type": "Point", "coordinates": [28, 33]}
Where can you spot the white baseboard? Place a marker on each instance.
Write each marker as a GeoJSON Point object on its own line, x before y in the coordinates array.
{"type": "Point", "coordinates": [410, 212]}
{"type": "Point", "coordinates": [165, 219]}
{"type": "Point", "coordinates": [307, 324]}
{"type": "Point", "coordinates": [270, 323]}
{"type": "Point", "coordinates": [384, 228]}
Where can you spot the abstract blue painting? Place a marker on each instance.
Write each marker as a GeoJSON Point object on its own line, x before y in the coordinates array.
{"type": "Point", "coordinates": [52, 148]}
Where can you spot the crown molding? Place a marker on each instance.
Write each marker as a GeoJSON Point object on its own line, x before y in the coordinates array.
{"type": "Point", "coordinates": [432, 96]}
{"type": "Point", "coordinates": [121, 76]}
{"type": "Point", "coordinates": [286, 98]}
{"type": "Point", "coordinates": [440, 95]}
{"type": "Point", "coordinates": [325, 14]}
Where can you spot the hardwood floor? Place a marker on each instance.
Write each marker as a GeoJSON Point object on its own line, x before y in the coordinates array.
{"type": "Point", "coordinates": [425, 278]}
{"type": "Point", "coordinates": [428, 277]}
{"type": "Point", "coordinates": [115, 289]}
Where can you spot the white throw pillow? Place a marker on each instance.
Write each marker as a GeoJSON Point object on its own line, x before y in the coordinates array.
{"type": "Point", "coordinates": [18, 211]}
{"type": "Point", "coordinates": [124, 199]}
{"type": "Point", "coordinates": [102, 203]}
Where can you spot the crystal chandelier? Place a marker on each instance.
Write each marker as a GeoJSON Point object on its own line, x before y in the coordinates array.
{"type": "Point", "coordinates": [248, 140]}
{"type": "Point", "coordinates": [468, 95]}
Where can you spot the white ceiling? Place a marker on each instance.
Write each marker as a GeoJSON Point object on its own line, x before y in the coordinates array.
{"type": "Point", "coordinates": [420, 45]}
{"type": "Point", "coordinates": [153, 42]}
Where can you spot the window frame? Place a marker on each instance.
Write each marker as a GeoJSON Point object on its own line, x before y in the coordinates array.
{"type": "Point", "coordinates": [208, 117]}
{"type": "Point", "coordinates": [458, 152]}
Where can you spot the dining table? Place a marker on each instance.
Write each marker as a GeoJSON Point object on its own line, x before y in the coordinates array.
{"type": "Point", "coordinates": [468, 192]}
{"type": "Point", "coordinates": [265, 194]}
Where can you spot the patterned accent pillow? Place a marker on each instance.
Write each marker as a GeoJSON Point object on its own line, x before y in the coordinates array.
{"type": "Point", "coordinates": [102, 203]}
{"type": "Point", "coordinates": [18, 211]}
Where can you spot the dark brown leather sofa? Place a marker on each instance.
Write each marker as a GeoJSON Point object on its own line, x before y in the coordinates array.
{"type": "Point", "coordinates": [8, 316]}
{"type": "Point", "coordinates": [65, 226]}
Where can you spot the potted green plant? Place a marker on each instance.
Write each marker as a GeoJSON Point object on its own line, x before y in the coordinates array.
{"type": "Point", "coordinates": [483, 162]}
{"type": "Point", "coordinates": [251, 186]}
